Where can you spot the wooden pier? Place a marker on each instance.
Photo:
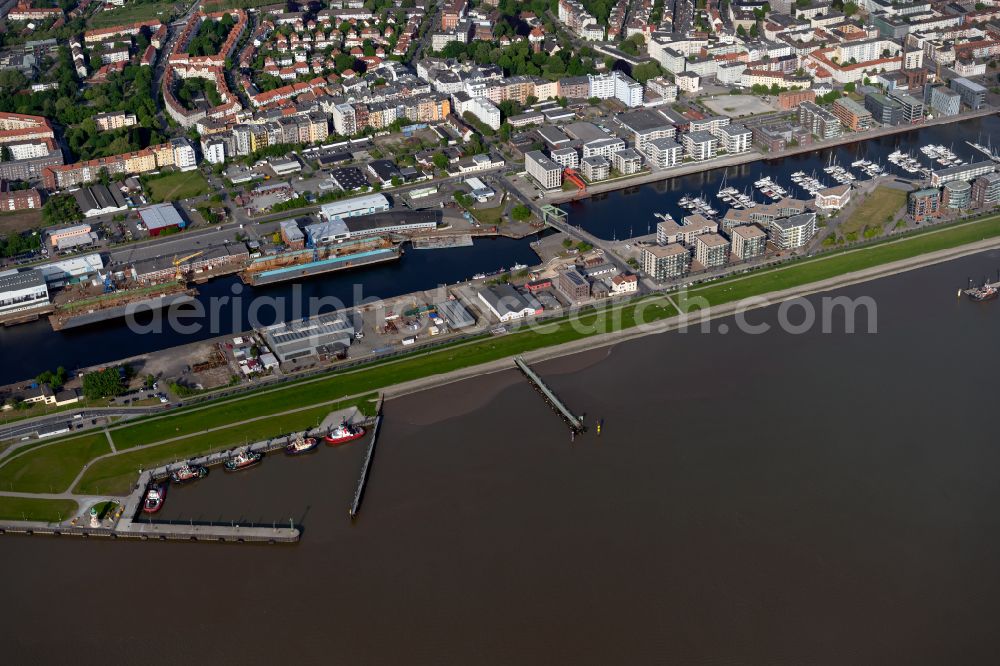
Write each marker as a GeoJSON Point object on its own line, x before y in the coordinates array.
{"type": "Point", "coordinates": [366, 466]}
{"type": "Point", "coordinates": [574, 422]}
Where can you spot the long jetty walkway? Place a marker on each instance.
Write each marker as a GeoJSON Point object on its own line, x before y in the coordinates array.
{"type": "Point", "coordinates": [366, 465]}
{"type": "Point", "coordinates": [574, 422]}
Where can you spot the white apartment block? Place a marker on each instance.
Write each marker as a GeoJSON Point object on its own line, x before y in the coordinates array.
{"type": "Point", "coordinates": [734, 139]}
{"type": "Point", "coordinates": [544, 171]}
{"type": "Point", "coordinates": [700, 145]}
{"type": "Point", "coordinates": [603, 147]}
{"type": "Point", "coordinates": [595, 168]}
{"type": "Point", "coordinates": [627, 162]}
{"type": "Point", "coordinates": [184, 155]}
{"type": "Point", "coordinates": [616, 85]}
{"type": "Point", "coordinates": [568, 158]}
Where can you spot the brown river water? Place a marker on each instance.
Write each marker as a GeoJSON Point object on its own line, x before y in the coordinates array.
{"type": "Point", "coordinates": [753, 499]}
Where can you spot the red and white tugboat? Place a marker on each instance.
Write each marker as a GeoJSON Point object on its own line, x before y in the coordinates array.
{"type": "Point", "coordinates": [344, 433]}
{"type": "Point", "coordinates": [302, 445]}
{"type": "Point", "coordinates": [154, 498]}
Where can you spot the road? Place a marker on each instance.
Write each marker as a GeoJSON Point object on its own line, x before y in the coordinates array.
{"type": "Point", "coordinates": [30, 427]}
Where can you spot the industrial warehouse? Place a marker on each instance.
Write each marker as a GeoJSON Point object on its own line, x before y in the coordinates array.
{"type": "Point", "coordinates": [343, 235]}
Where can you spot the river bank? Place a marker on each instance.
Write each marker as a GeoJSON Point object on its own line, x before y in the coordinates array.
{"type": "Point", "coordinates": [815, 505]}
{"type": "Point", "coordinates": [164, 438]}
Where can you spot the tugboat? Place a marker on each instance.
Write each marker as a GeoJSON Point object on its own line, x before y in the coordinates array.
{"type": "Point", "coordinates": [243, 460]}
{"type": "Point", "coordinates": [189, 473]}
{"type": "Point", "coordinates": [154, 498]}
{"type": "Point", "coordinates": [302, 445]}
{"type": "Point", "coordinates": [344, 433]}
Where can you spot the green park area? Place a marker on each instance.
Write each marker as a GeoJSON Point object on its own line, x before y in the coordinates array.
{"type": "Point", "coordinates": [134, 12]}
{"type": "Point", "coordinates": [116, 475]}
{"type": "Point", "coordinates": [874, 213]}
{"type": "Point", "coordinates": [29, 508]}
{"type": "Point", "coordinates": [51, 467]}
{"type": "Point", "coordinates": [176, 186]}
{"type": "Point", "coordinates": [301, 404]}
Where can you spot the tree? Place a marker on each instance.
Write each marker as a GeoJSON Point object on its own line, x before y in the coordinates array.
{"type": "Point", "coordinates": [850, 9]}
{"type": "Point", "coordinates": [849, 87]}
{"type": "Point", "coordinates": [440, 160]}
{"type": "Point", "coordinates": [54, 380]}
{"type": "Point", "coordinates": [645, 71]}
{"type": "Point", "coordinates": [520, 212]}
{"type": "Point", "coordinates": [103, 383]}
{"type": "Point", "coordinates": [60, 209]}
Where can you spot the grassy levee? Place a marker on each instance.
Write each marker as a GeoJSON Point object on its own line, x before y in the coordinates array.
{"type": "Point", "coordinates": [46, 510]}
{"type": "Point", "coordinates": [370, 378]}
{"type": "Point", "coordinates": [116, 475]}
{"type": "Point", "coordinates": [846, 261]}
{"type": "Point", "coordinates": [51, 467]}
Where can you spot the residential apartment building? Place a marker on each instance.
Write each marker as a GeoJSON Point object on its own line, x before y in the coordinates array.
{"type": "Point", "coordinates": [961, 172]}
{"type": "Point", "coordinates": [973, 95]}
{"type": "Point", "coordinates": [986, 190]}
{"type": "Point", "coordinates": [663, 153]}
{"type": "Point", "coordinates": [852, 115]}
{"type": "Point", "coordinates": [819, 121]}
{"type": "Point", "coordinates": [665, 262]}
{"type": "Point", "coordinates": [924, 204]}
{"type": "Point", "coordinates": [115, 120]}
{"type": "Point", "coordinates": [788, 233]}
{"type": "Point", "coordinates": [568, 158]}
{"type": "Point", "coordinates": [748, 241]}
{"type": "Point", "coordinates": [627, 162]}
{"type": "Point", "coordinates": [700, 145]}
{"type": "Point", "coordinates": [734, 139]}
{"type": "Point", "coordinates": [595, 167]}
{"type": "Point", "coordinates": [711, 250]}
{"type": "Point", "coordinates": [544, 171]}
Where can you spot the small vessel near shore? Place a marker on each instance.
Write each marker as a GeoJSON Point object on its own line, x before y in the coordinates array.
{"type": "Point", "coordinates": [188, 473]}
{"type": "Point", "coordinates": [243, 460]}
{"type": "Point", "coordinates": [344, 433]}
{"type": "Point", "coordinates": [302, 445]}
{"type": "Point", "coordinates": [153, 501]}
{"type": "Point", "coordinates": [985, 292]}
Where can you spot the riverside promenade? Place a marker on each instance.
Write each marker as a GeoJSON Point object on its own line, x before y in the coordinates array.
{"type": "Point", "coordinates": [696, 317]}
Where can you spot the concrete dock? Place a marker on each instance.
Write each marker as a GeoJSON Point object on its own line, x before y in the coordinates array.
{"type": "Point", "coordinates": [574, 422]}
{"type": "Point", "coordinates": [366, 465]}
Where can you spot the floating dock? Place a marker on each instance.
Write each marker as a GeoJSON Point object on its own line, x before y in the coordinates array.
{"type": "Point", "coordinates": [298, 264]}
{"type": "Point", "coordinates": [64, 320]}
{"type": "Point", "coordinates": [574, 422]}
{"type": "Point", "coordinates": [366, 466]}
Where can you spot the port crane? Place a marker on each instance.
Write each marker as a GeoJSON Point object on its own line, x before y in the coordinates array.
{"type": "Point", "coordinates": [179, 275]}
